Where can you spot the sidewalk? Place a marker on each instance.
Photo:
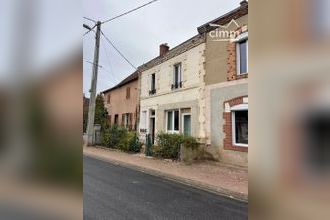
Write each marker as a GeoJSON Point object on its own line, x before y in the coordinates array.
{"type": "Point", "coordinates": [211, 176]}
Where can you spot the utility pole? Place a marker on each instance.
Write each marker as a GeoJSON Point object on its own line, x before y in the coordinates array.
{"type": "Point", "coordinates": [92, 97]}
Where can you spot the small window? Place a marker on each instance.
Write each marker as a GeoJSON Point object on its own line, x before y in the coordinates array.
{"type": "Point", "coordinates": [128, 92]}
{"type": "Point", "coordinates": [242, 57]}
{"type": "Point", "coordinates": [126, 120]}
{"type": "Point", "coordinates": [153, 84]}
{"type": "Point", "coordinates": [177, 77]}
{"type": "Point", "coordinates": [116, 119]}
{"type": "Point", "coordinates": [108, 98]}
{"type": "Point", "coordinates": [173, 121]}
{"type": "Point", "coordinates": [143, 121]}
{"type": "Point", "coordinates": [240, 127]}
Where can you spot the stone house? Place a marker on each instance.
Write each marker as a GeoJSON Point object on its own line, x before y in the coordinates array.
{"type": "Point", "coordinates": [200, 88]}
{"type": "Point", "coordinates": [226, 86]}
{"type": "Point", "coordinates": [122, 102]}
{"type": "Point", "coordinates": [170, 97]}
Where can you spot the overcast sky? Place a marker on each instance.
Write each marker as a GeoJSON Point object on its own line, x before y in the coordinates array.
{"type": "Point", "coordinates": [139, 34]}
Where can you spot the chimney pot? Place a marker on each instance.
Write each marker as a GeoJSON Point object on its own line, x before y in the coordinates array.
{"type": "Point", "coordinates": [244, 2]}
{"type": "Point", "coordinates": [163, 49]}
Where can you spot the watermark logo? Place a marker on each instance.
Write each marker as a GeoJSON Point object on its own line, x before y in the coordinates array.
{"type": "Point", "coordinates": [225, 32]}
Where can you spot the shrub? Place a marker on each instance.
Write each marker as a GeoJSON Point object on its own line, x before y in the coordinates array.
{"type": "Point", "coordinates": [113, 136]}
{"type": "Point", "coordinates": [119, 138]}
{"type": "Point", "coordinates": [168, 145]}
{"type": "Point", "coordinates": [130, 143]}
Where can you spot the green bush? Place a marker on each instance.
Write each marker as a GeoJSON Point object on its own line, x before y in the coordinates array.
{"type": "Point", "coordinates": [168, 145]}
{"type": "Point", "coordinates": [119, 138]}
{"type": "Point", "coordinates": [112, 136]}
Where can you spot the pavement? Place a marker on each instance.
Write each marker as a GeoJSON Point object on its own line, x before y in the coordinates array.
{"type": "Point", "coordinates": [214, 177]}
{"type": "Point", "coordinates": [116, 192]}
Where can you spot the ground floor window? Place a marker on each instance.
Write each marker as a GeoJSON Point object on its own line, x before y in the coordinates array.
{"type": "Point", "coordinates": [173, 121]}
{"type": "Point", "coordinates": [240, 127]}
{"type": "Point", "coordinates": [186, 122]}
{"type": "Point", "coordinates": [116, 120]}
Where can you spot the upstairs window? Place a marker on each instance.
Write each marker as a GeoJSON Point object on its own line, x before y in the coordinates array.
{"type": "Point", "coordinates": [242, 57]}
{"type": "Point", "coordinates": [108, 98]}
{"type": "Point", "coordinates": [177, 76]}
{"type": "Point", "coordinates": [153, 84]}
{"type": "Point", "coordinates": [128, 92]}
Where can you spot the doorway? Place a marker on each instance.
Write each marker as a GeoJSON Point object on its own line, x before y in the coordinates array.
{"type": "Point", "coordinates": [152, 125]}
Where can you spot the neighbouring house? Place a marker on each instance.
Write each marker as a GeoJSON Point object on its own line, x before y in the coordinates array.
{"type": "Point", "coordinates": [226, 86]}
{"type": "Point", "coordinates": [122, 102]}
{"type": "Point", "coordinates": [170, 96]}
{"type": "Point", "coordinates": [200, 88]}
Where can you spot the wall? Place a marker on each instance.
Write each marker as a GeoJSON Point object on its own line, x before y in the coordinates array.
{"type": "Point", "coordinates": [217, 57]}
{"type": "Point", "coordinates": [217, 94]}
{"type": "Point", "coordinates": [189, 96]}
{"type": "Point", "coordinates": [120, 105]}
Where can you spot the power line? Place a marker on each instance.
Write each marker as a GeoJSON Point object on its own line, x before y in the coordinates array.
{"type": "Point", "coordinates": [120, 53]}
{"type": "Point", "coordinates": [129, 11]}
{"type": "Point", "coordinates": [90, 19]}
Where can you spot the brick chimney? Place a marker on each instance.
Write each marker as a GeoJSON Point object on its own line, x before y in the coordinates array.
{"type": "Point", "coordinates": [163, 49]}
{"type": "Point", "coordinates": [243, 3]}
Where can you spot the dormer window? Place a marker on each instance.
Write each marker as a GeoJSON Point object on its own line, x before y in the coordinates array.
{"type": "Point", "coordinates": [177, 76]}
{"type": "Point", "coordinates": [242, 57]}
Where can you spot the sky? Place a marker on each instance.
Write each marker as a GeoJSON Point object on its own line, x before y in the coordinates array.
{"type": "Point", "coordinates": [139, 34]}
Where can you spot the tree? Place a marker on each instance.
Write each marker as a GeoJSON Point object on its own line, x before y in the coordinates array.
{"type": "Point", "coordinates": [101, 113]}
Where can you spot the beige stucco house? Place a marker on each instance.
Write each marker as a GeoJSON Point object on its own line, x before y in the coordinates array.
{"type": "Point", "coordinates": [122, 102]}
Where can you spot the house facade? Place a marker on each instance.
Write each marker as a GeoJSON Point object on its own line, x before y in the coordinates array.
{"type": "Point", "coordinates": [122, 102]}
{"type": "Point", "coordinates": [226, 86]}
{"type": "Point", "coordinates": [200, 88]}
{"type": "Point", "coordinates": [170, 90]}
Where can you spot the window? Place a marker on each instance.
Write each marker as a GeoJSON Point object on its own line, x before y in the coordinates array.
{"type": "Point", "coordinates": [186, 118]}
{"type": "Point", "coordinates": [108, 98]}
{"type": "Point", "coordinates": [116, 120]}
{"type": "Point", "coordinates": [128, 92]}
{"type": "Point", "coordinates": [240, 127]}
{"type": "Point", "coordinates": [153, 84]}
{"type": "Point", "coordinates": [173, 121]}
{"type": "Point", "coordinates": [242, 57]}
{"type": "Point", "coordinates": [126, 120]}
{"type": "Point", "coordinates": [143, 122]}
{"type": "Point", "coordinates": [177, 78]}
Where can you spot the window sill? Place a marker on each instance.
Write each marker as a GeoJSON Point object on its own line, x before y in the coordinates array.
{"type": "Point", "coordinates": [237, 147]}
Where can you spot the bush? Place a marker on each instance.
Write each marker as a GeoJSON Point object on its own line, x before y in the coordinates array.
{"type": "Point", "coordinates": [112, 136]}
{"type": "Point", "coordinates": [119, 138]}
{"type": "Point", "coordinates": [168, 145]}
{"type": "Point", "coordinates": [130, 143]}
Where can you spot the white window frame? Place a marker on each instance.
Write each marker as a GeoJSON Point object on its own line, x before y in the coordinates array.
{"type": "Point", "coordinates": [233, 111]}
{"type": "Point", "coordinates": [143, 122]}
{"type": "Point", "coordinates": [182, 119]}
{"type": "Point", "coordinates": [238, 56]}
{"type": "Point", "coordinates": [172, 131]}
{"type": "Point", "coordinates": [180, 75]}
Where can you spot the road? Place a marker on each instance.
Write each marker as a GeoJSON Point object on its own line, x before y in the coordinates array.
{"type": "Point", "coordinates": [115, 192]}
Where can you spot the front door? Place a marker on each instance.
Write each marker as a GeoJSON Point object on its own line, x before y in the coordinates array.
{"type": "Point", "coordinates": [152, 125]}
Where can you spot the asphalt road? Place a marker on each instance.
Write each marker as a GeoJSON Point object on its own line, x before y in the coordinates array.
{"type": "Point", "coordinates": [115, 192]}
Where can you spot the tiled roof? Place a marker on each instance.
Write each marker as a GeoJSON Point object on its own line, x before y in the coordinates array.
{"type": "Point", "coordinates": [134, 76]}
